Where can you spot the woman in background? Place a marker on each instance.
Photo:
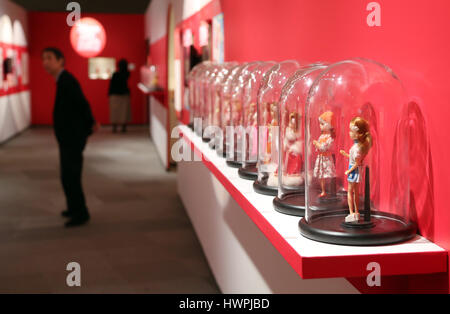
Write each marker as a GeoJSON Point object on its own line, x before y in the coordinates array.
{"type": "Point", "coordinates": [119, 97]}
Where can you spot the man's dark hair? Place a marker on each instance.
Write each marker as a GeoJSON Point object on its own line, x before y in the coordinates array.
{"type": "Point", "coordinates": [56, 52]}
{"type": "Point", "coordinates": [122, 65]}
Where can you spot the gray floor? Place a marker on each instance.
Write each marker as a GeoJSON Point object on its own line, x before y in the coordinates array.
{"type": "Point", "coordinates": [139, 239]}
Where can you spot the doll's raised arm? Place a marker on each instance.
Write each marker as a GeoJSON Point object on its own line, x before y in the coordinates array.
{"type": "Point", "coordinates": [344, 153]}
{"type": "Point", "coordinates": [324, 146]}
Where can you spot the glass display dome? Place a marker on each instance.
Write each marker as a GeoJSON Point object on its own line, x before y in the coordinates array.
{"type": "Point", "coordinates": [291, 181]}
{"type": "Point", "coordinates": [235, 142]}
{"type": "Point", "coordinates": [357, 166]}
{"type": "Point", "coordinates": [250, 121]}
{"type": "Point", "coordinates": [191, 88]}
{"type": "Point", "coordinates": [205, 82]}
{"type": "Point", "coordinates": [215, 86]}
{"type": "Point", "coordinates": [268, 98]}
{"type": "Point", "coordinates": [225, 107]}
{"type": "Point", "coordinates": [198, 95]}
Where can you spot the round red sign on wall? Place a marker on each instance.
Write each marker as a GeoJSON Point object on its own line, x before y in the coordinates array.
{"type": "Point", "coordinates": [88, 37]}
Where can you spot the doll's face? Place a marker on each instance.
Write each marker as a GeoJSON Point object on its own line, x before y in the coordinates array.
{"type": "Point", "coordinates": [353, 134]}
{"type": "Point", "coordinates": [293, 122]}
{"type": "Point", "coordinates": [324, 126]}
{"type": "Point", "coordinates": [273, 109]}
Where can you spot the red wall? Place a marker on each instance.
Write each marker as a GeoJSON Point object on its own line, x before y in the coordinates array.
{"type": "Point", "coordinates": [125, 39]}
{"type": "Point", "coordinates": [193, 23]}
{"type": "Point", "coordinates": [158, 53]}
{"type": "Point", "coordinates": [412, 40]}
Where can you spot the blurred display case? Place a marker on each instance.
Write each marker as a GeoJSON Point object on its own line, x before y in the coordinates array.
{"type": "Point", "coordinates": [268, 101]}
{"type": "Point", "coordinates": [225, 107]}
{"type": "Point", "coordinates": [291, 190]}
{"type": "Point", "coordinates": [236, 140]}
{"type": "Point", "coordinates": [212, 130]}
{"type": "Point", "coordinates": [250, 121]}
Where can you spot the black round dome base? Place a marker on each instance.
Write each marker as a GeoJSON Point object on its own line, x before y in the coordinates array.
{"type": "Point", "coordinates": [265, 189]}
{"type": "Point", "coordinates": [248, 173]}
{"type": "Point", "coordinates": [327, 199]}
{"type": "Point", "coordinates": [361, 224]}
{"type": "Point", "coordinates": [293, 189]}
{"type": "Point", "coordinates": [234, 164]}
{"type": "Point", "coordinates": [331, 201]}
{"type": "Point", "coordinates": [329, 228]}
{"type": "Point", "coordinates": [293, 205]}
{"type": "Point", "coordinates": [205, 139]}
{"type": "Point", "coordinates": [220, 152]}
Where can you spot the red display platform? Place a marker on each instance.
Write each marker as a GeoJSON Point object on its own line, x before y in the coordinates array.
{"type": "Point", "coordinates": [312, 259]}
{"type": "Point", "coordinates": [159, 94]}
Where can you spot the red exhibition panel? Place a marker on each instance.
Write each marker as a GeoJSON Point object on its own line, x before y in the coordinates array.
{"type": "Point", "coordinates": [14, 81]}
{"type": "Point", "coordinates": [125, 39]}
{"type": "Point", "coordinates": [410, 40]}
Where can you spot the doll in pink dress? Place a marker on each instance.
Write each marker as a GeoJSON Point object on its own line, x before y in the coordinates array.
{"type": "Point", "coordinates": [226, 118]}
{"type": "Point", "coordinates": [265, 145]}
{"type": "Point", "coordinates": [236, 120]}
{"type": "Point", "coordinates": [362, 139]}
{"type": "Point", "coordinates": [272, 139]}
{"type": "Point", "coordinates": [236, 113]}
{"type": "Point", "coordinates": [324, 168]}
{"type": "Point", "coordinates": [216, 112]}
{"type": "Point", "coordinates": [252, 123]}
{"type": "Point", "coordinates": [293, 149]}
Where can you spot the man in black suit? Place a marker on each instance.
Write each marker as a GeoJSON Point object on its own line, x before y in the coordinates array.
{"type": "Point", "coordinates": [73, 123]}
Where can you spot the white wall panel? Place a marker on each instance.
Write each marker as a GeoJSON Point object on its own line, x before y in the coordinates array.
{"type": "Point", "coordinates": [241, 258]}
{"type": "Point", "coordinates": [158, 128]}
{"type": "Point", "coordinates": [156, 15]}
{"type": "Point", "coordinates": [155, 29]}
{"type": "Point", "coordinates": [15, 109]}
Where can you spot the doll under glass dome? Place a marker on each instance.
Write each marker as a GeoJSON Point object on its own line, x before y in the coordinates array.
{"type": "Point", "coordinates": [191, 87]}
{"type": "Point", "coordinates": [357, 165]}
{"type": "Point", "coordinates": [206, 81]}
{"type": "Point", "coordinates": [199, 95]}
{"type": "Point", "coordinates": [214, 110]}
{"type": "Point", "coordinates": [216, 73]}
{"type": "Point", "coordinates": [268, 122]}
{"type": "Point", "coordinates": [194, 89]}
{"type": "Point", "coordinates": [225, 107]}
{"type": "Point", "coordinates": [236, 141]}
{"type": "Point", "coordinates": [291, 190]}
{"type": "Point", "coordinates": [248, 169]}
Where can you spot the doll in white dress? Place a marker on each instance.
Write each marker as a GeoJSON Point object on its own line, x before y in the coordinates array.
{"type": "Point", "coordinates": [272, 140]}
{"type": "Point", "coordinates": [252, 123]}
{"type": "Point", "coordinates": [360, 134]}
{"type": "Point", "coordinates": [324, 168]}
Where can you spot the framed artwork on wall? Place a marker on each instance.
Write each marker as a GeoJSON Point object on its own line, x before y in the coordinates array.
{"type": "Point", "coordinates": [218, 48]}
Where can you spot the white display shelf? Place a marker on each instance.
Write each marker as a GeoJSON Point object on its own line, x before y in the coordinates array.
{"type": "Point", "coordinates": [311, 259]}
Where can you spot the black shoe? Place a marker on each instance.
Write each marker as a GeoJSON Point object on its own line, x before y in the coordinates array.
{"type": "Point", "coordinates": [77, 221]}
{"type": "Point", "coordinates": [66, 213]}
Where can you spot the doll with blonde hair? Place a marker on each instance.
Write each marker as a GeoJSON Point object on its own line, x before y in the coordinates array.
{"type": "Point", "coordinates": [324, 168]}
{"type": "Point", "coordinates": [360, 134]}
